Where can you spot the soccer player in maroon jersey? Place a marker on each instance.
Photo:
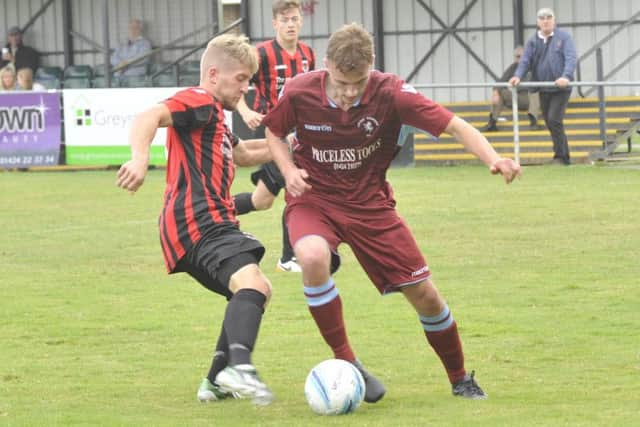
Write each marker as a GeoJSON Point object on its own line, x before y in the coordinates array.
{"type": "Point", "coordinates": [198, 229]}
{"type": "Point", "coordinates": [279, 60]}
{"type": "Point", "coordinates": [347, 120]}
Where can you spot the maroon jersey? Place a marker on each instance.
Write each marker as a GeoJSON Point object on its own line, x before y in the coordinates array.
{"type": "Point", "coordinates": [276, 66]}
{"type": "Point", "coordinates": [200, 171]}
{"type": "Point", "coordinates": [347, 153]}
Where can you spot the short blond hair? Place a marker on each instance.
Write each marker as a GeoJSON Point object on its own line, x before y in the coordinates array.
{"type": "Point", "coordinates": [350, 48]}
{"type": "Point", "coordinates": [229, 46]}
{"type": "Point", "coordinates": [279, 6]}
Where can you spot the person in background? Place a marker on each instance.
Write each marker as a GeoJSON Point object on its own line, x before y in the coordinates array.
{"type": "Point", "coordinates": [280, 60]}
{"type": "Point", "coordinates": [550, 55]}
{"type": "Point", "coordinates": [135, 46]}
{"type": "Point", "coordinates": [7, 78]}
{"type": "Point", "coordinates": [347, 120]}
{"type": "Point", "coordinates": [25, 81]}
{"type": "Point", "coordinates": [19, 54]}
{"type": "Point", "coordinates": [501, 97]}
{"type": "Point", "coordinates": [199, 232]}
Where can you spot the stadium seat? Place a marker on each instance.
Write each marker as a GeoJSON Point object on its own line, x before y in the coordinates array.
{"type": "Point", "coordinates": [76, 71]}
{"type": "Point", "coordinates": [165, 80]}
{"type": "Point", "coordinates": [77, 83]}
{"type": "Point", "coordinates": [101, 82]}
{"type": "Point", "coordinates": [134, 81]}
{"type": "Point", "coordinates": [99, 70]}
{"type": "Point", "coordinates": [155, 67]}
{"type": "Point", "coordinates": [48, 73]}
{"type": "Point", "coordinates": [189, 79]}
{"type": "Point", "coordinates": [190, 67]}
{"type": "Point", "coordinates": [49, 82]}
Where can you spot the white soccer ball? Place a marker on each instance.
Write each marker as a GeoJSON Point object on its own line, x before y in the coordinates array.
{"type": "Point", "coordinates": [334, 387]}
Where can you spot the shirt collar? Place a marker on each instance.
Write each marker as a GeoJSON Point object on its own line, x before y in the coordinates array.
{"type": "Point", "coordinates": [545, 39]}
{"type": "Point", "coordinates": [364, 99]}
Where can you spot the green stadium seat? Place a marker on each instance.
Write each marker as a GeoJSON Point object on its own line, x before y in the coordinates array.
{"type": "Point", "coordinates": [101, 82]}
{"type": "Point", "coordinates": [165, 80]}
{"type": "Point", "coordinates": [190, 67]}
{"type": "Point", "coordinates": [49, 82]}
{"type": "Point", "coordinates": [77, 83]}
{"type": "Point", "coordinates": [75, 71]}
{"type": "Point", "coordinates": [189, 79]}
{"type": "Point", "coordinates": [48, 73]}
{"type": "Point", "coordinates": [134, 81]}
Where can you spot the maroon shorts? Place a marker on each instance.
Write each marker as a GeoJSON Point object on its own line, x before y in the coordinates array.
{"type": "Point", "coordinates": [380, 240]}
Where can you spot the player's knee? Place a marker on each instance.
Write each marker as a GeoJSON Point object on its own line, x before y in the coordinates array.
{"type": "Point", "coordinates": [313, 253]}
{"type": "Point", "coordinates": [262, 201]}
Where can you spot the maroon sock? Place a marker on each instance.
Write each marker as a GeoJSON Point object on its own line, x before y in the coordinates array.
{"type": "Point", "coordinates": [329, 319]}
{"type": "Point", "coordinates": [448, 347]}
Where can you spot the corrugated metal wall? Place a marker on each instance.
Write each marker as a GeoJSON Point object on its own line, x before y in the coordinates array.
{"type": "Point", "coordinates": [410, 32]}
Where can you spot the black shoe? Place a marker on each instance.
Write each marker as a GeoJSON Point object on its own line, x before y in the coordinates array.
{"type": "Point", "coordinates": [490, 126]}
{"type": "Point", "coordinates": [468, 388]}
{"type": "Point", "coordinates": [533, 122]}
{"type": "Point", "coordinates": [373, 390]}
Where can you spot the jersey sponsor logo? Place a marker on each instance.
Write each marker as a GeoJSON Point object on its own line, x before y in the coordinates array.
{"type": "Point", "coordinates": [345, 158]}
{"type": "Point", "coordinates": [318, 128]}
{"type": "Point", "coordinates": [280, 67]}
{"type": "Point", "coordinates": [421, 271]}
{"type": "Point", "coordinates": [368, 125]}
{"type": "Point", "coordinates": [408, 88]}
{"type": "Point", "coordinates": [305, 66]}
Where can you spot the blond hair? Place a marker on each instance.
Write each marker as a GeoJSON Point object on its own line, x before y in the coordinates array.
{"type": "Point", "coordinates": [229, 47]}
{"type": "Point", "coordinates": [350, 48]}
{"type": "Point", "coordinates": [279, 6]}
{"type": "Point", "coordinates": [9, 68]}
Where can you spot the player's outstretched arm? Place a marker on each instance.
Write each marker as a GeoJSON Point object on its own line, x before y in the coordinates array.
{"type": "Point", "coordinates": [251, 152]}
{"type": "Point", "coordinates": [477, 144]}
{"type": "Point", "coordinates": [131, 174]}
{"type": "Point", "coordinates": [295, 178]}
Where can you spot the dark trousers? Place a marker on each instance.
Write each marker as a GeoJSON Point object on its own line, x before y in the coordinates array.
{"type": "Point", "coordinates": [554, 106]}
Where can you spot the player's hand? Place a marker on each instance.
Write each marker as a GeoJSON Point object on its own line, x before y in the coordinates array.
{"type": "Point", "coordinates": [253, 119]}
{"type": "Point", "coordinates": [514, 81]}
{"type": "Point", "coordinates": [131, 175]}
{"type": "Point", "coordinates": [562, 82]}
{"type": "Point", "coordinates": [507, 168]}
{"type": "Point", "coordinates": [296, 182]}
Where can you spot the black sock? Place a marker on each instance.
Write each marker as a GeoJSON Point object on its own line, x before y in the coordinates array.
{"type": "Point", "coordinates": [243, 203]}
{"type": "Point", "coordinates": [219, 361]}
{"type": "Point", "coordinates": [241, 323]}
{"type": "Point", "coordinates": [287, 250]}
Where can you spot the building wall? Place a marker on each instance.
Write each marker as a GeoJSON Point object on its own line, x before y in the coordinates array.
{"type": "Point", "coordinates": [410, 32]}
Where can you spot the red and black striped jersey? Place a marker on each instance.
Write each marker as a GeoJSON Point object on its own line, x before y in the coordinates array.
{"type": "Point", "coordinates": [200, 171]}
{"type": "Point", "coordinates": [276, 66]}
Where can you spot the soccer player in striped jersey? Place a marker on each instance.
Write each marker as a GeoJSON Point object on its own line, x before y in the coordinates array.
{"type": "Point", "coordinates": [347, 119]}
{"type": "Point", "coordinates": [280, 59]}
{"type": "Point", "coordinates": [199, 232]}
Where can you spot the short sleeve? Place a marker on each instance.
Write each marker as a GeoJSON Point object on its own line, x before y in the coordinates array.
{"type": "Point", "coordinates": [190, 108]}
{"type": "Point", "coordinates": [416, 110]}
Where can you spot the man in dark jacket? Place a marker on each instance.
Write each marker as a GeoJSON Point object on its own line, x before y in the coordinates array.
{"type": "Point", "coordinates": [550, 54]}
{"type": "Point", "coordinates": [17, 53]}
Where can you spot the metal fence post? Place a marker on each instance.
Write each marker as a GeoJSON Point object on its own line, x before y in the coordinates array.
{"type": "Point", "coordinates": [516, 123]}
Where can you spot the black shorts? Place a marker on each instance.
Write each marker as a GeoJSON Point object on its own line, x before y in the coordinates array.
{"type": "Point", "coordinates": [271, 176]}
{"type": "Point", "coordinates": [218, 255]}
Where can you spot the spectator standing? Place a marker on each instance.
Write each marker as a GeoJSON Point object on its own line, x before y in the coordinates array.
{"type": "Point", "coordinates": [19, 54]}
{"type": "Point", "coordinates": [501, 97]}
{"type": "Point", "coordinates": [550, 55]}
{"type": "Point", "coordinates": [135, 46]}
{"type": "Point", "coordinates": [7, 78]}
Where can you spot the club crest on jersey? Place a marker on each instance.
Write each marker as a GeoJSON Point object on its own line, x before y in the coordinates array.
{"type": "Point", "coordinates": [368, 125]}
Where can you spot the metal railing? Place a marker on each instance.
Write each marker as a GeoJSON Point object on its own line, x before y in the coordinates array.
{"type": "Point", "coordinates": [529, 84]}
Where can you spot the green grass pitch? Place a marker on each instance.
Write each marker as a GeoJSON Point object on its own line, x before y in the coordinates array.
{"type": "Point", "coordinates": [543, 278]}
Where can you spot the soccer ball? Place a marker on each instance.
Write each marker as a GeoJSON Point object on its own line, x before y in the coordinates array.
{"type": "Point", "coordinates": [334, 387]}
